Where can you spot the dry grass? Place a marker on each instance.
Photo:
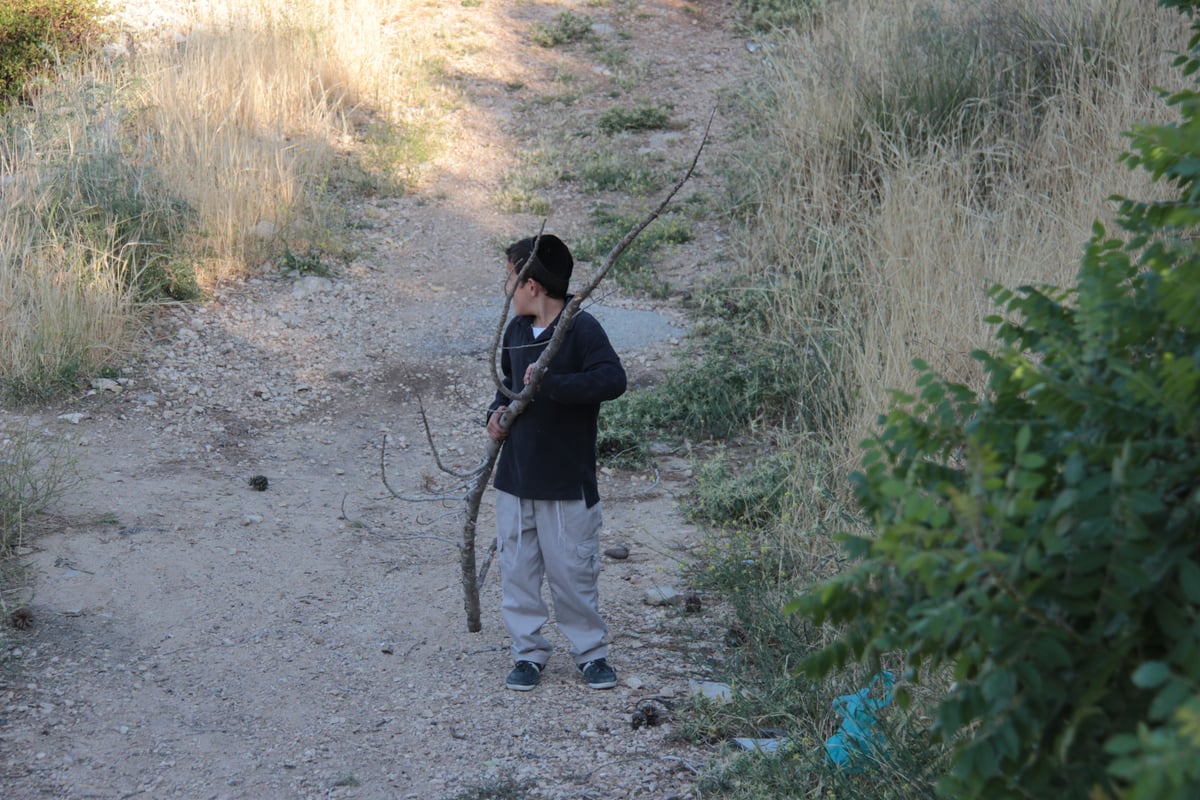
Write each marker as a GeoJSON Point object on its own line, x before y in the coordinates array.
{"type": "Point", "coordinates": [271, 100]}
{"type": "Point", "coordinates": [174, 168]}
{"type": "Point", "coordinates": [65, 311]}
{"type": "Point", "coordinates": [880, 247]}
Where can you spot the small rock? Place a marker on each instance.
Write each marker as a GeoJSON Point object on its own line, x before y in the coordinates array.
{"type": "Point", "coordinates": [711, 690]}
{"type": "Point", "coordinates": [620, 552]}
{"type": "Point", "coordinates": [663, 596]}
{"type": "Point", "coordinates": [265, 229]}
{"type": "Point", "coordinates": [761, 745]}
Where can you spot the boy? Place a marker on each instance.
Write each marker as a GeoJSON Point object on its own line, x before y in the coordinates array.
{"type": "Point", "coordinates": [547, 503]}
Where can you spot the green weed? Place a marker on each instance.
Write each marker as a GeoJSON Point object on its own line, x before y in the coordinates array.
{"type": "Point", "coordinates": [737, 381]}
{"type": "Point", "coordinates": [567, 27]}
{"type": "Point", "coordinates": [310, 263]}
{"type": "Point", "coordinates": [523, 189]}
{"type": "Point", "coordinates": [619, 172]}
{"type": "Point", "coordinates": [633, 270]}
{"type": "Point", "coordinates": [731, 493]}
{"type": "Point", "coordinates": [767, 15]}
{"type": "Point", "coordinates": [35, 472]}
{"type": "Point", "coordinates": [500, 788]}
{"type": "Point", "coordinates": [117, 206]}
{"type": "Point", "coordinates": [639, 118]}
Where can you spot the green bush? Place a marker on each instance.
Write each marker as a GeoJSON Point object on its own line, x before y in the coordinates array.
{"type": "Point", "coordinates": [739, 382]}
{"type": "Point", "coordinates": [567, 27]}
{"type": "Point", "coordinates": [120, 207]}
{"type": "Point", "coordinates": [729, 494]}
{"type": "Point", "coordinates": [36, 33]}
{"type": "Point", "coordinates": [1040, 539]}
{"type": "Point", "coordinates": [633, 270]}
{"type": "Point", "coordinates": [765, 15]}
{"type": "Point", "coordinates": [639, 118]}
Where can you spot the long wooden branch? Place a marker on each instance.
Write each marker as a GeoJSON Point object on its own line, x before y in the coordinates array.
{"type": "Point", "coordinates": [522, 399]}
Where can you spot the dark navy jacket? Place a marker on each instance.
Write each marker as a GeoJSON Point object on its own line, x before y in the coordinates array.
{"type": "Point", "coordinates": [550, 452]}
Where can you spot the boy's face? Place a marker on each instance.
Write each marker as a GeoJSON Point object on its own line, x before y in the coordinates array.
{"type": "Point", "coordinates": [522, 295]}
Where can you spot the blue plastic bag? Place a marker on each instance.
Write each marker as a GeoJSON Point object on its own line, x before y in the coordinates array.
{"type": "Point", "coordinates": [857, 734]}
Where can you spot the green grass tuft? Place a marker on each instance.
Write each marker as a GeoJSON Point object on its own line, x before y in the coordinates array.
{"type": "Point", "coordinates": [567, 27]}
{"type": "Point", "coordinates": [639, 118]}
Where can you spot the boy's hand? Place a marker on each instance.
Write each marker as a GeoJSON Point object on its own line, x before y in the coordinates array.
{"type": "Point", "coordinates": [494, 430]}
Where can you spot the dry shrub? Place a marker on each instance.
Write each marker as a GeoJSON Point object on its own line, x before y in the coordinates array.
{"type": "Point", "coordinates": [171, 168]}
{"type": "Point", "coordinates": [880, 232]}
{"type": "Point", "coordinates": [65, 308]}
{"type": "Point", "coordinates": [251, 117]}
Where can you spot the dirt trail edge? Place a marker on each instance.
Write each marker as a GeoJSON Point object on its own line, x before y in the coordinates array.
{"type": "Point", "coordinates": [197, 638]}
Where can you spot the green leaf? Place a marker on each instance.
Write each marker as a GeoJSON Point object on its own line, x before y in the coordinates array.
{"type": "Point", "coordinates": [1023, 437]}
{"type": "Point", "coordinates": [1189, 580]}
{"type": "Point", "coordinates": [1151, 674]}
{"type": "Point", "coordinates": [1170, 697]}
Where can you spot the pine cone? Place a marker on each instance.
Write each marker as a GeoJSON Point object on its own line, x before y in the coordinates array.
{"type": "Point", "coordinates": [21, 619]}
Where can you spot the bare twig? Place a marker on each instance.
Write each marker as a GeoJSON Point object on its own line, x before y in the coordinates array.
{"type": "Point", "coordinates": [437, 459]}
{"type": "Point", "coordinates": [427, 498]}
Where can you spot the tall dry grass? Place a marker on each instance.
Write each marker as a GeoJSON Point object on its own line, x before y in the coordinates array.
{"type": "Point", "coordinates": [912, 154]}
{"type": "Point", "coordinates": [257, 112]}
{"type": "Point", "coordinates": [172, 168]}
{"type": "Point", "coordinates": [65, 310]}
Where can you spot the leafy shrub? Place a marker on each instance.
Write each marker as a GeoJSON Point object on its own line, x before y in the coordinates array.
{"type": "Point", "coordinates": [34, 33]}
{"type": "Point", "coordinates": [765, 15]}
{"type": "Point", "coordinates": [740, 381]}
{"type": "Point", "coordinates": [567, 27]}
{"type": "Point", "coordinates": [1040, 539]}
{"type": "Point", "coordinates": [749, 495]}
{"type": "Point", "coordinates": [639, 118]}
{"type": "Point", "coordinates": [633, 270]}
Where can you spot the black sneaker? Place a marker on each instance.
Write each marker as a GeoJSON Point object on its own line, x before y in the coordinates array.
{"type": "Point", "coordinates": [598, 674]}
{"type": "Point", "coordinates": [524, 676]}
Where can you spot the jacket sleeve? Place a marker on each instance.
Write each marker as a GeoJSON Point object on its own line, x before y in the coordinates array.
{"type": "Point", "coordinates": [599, 376]}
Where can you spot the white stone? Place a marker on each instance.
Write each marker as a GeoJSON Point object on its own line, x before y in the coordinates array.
{"type": "Point", "coordinates": [711, 690]}
{"type": "Point", "coordinates": [663, 596]}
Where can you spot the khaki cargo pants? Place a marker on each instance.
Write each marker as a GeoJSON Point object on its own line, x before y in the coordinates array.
{"type": "Point", "coordinates": [559, 539]}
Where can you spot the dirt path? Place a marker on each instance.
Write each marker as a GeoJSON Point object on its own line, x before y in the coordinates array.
{"type": "Point", "coordinates": [195, 638]}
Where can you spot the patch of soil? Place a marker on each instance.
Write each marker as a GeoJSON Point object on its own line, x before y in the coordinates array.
{"type": "Point", "coordinates": [194, 637]}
